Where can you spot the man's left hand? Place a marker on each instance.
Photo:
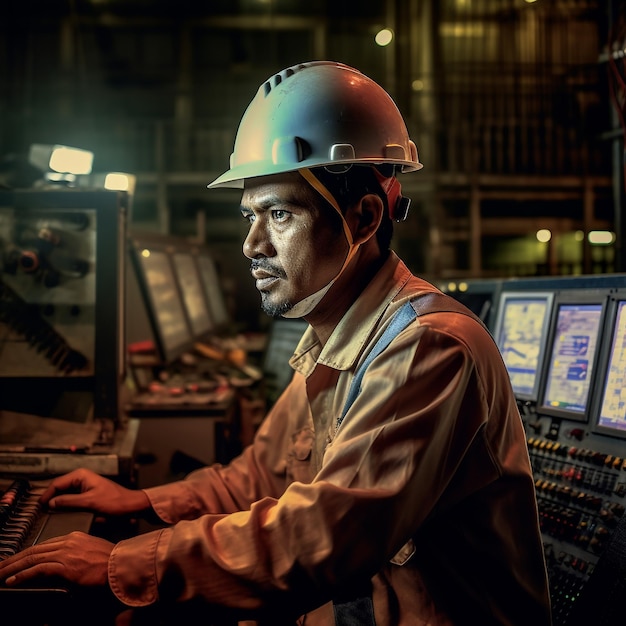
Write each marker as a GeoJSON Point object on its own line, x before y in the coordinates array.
{"type": "Point", "coordinates": [78, 558]}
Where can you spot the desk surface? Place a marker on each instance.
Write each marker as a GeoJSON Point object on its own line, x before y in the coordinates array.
{"type": "Point", "coordinates": [114, 459]}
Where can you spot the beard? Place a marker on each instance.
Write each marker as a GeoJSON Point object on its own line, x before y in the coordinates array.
{"type": "Point", "coordinates": [274, 309]}
{"type": "Point", "coordinates": [267, 306]}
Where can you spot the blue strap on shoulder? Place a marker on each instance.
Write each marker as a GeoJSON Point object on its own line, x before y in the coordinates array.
{"type": "Point", "coordinates": [422, 305]}
{"type": "Point", "coordinates": [402, 318]}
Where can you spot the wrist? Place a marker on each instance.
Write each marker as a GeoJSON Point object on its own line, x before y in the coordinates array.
{"type": "Point", "coordinates": [137, 501]}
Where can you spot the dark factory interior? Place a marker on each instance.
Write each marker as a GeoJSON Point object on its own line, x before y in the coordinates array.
{"type": "Point", "coordinates": [132, 340]}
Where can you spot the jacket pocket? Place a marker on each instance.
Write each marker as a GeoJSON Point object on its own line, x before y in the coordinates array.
{"type": "Point", "coordinates": [299, 456]}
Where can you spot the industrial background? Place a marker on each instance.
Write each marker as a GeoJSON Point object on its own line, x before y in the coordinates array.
{"type": "Point", "coordinates": [516, 108]}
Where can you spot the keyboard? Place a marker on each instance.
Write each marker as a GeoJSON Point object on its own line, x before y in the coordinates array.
{"type": "Point", "coordinates": [23, 523]}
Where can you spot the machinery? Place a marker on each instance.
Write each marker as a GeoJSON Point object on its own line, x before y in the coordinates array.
{"type": "Point", "coordinates": [62, 340]}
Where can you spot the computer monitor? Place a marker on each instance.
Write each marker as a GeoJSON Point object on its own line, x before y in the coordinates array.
{"type": "Point", "coordinates": [521, 331]}
{"type": "Point", "coordinates": [610, 409]}
{"type": "Point", "coordinates": [573, 348]}
{"type": "Point", "coordinates": [212, 289]}
{"type": "Point", "coordinates": [192, 292]}
{"type": "Point", "coordinates": [284, 336]}
{"type": "Point", "coordinates": [164, 305]}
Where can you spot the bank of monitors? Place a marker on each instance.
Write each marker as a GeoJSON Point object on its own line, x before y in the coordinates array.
{"type": "Point", "coordinates": [565, 352]}
{"type": "Point", "coordinates": [190, 284]}
{"type": "Point", "coordinates": [573, 351]}
{"type": "Point", "coordinates": [521, 332]}
{"type": "Point", "coordinates": [609, 411]}
{"type": "Point", "coordinates": [164, 305]}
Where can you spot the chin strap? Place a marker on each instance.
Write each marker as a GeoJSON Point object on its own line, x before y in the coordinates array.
{"type": "Point", "coordinates": [305, 306]}
{"type": "Point", "coordinates": [323, 191]}
{"type": "Point", "coordinates": [317, 185]}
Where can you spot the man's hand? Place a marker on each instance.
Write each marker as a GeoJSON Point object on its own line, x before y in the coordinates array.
{"type": "Point", "coordinates": [84, 489]}
{"type": "Point", "coordinates": [78, 558]}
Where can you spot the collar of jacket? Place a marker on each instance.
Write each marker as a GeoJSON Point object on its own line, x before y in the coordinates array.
{"type": "Point", "coordinates": [354, 331]}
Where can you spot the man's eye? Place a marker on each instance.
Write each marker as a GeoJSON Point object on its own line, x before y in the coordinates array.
{"type": "Point", "coordinates": [280, 215]}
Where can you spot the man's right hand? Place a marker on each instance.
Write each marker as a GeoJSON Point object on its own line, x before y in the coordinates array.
{"type": "Point", "coordinates": [84, 489]}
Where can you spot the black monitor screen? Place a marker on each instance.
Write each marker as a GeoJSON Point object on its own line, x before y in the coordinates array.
{"type": "Point", "coordinates": [284, 337]}
{"type": "Point", "coordinates": [570, 367]}
{"type": "Point", "coordinates": [521, 333]}
{"type": "Point", "coordinates": [165, 306]}
{"type": "Point", "coordinates": [212, 289]}
{"type": "Point", "coordinates": [612, 414]}
{"type": "Point", "coordinates": [193, 294]}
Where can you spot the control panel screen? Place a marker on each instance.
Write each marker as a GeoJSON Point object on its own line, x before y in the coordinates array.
{"type": "Point", "coordinates": [612, 415]}
{"type": "Point", "coordinates": [213, 289]}
{"type": "Point", "coordinates": [521, 333]}
{"type": "Point", "coordinates": [573, 350]}
{"type": "Point", "coordinates": [193, 294]}
{"type": "Point", "coordinates": [167, 308]}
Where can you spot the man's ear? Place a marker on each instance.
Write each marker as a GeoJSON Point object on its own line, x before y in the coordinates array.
{"type": "Point", "coordinates": [365, 216]}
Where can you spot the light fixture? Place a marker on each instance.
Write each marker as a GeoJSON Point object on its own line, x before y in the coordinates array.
{"type": "Point", "coordinates": [384, 37]}
{"type": "Point", "coordinates": [600, 237]}
{"type": "Point", "coordinates": [59, 159]}
{"type": "Point", "coordinates": [543, 235]}
{"type": "Point", "coordinates": [119, 181]}
{"type": "Point", "coordinates": [113, 181]}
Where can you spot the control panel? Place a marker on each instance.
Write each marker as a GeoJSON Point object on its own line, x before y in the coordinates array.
{"type": "Point", "coordinates": [580, 479]}
{"type": "Point", "coordinates": [563, 341]}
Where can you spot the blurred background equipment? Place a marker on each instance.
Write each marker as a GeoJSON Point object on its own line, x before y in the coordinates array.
{"type": "Point", "coordinates": [62, 340]}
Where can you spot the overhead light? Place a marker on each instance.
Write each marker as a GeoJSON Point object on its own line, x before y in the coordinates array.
{"type": "Point", "coordinates": [60, 159]}
{"type": "Point", "coordinates": [601, 237]}
{"type": "Point", "coordinates": [113, 181]}
{"type": "Point", "coordinates": [384, 37]}
{"type": "Point", "coordinates": [119, 181]}
{"type": "Point", "coordinates": [543, 235]}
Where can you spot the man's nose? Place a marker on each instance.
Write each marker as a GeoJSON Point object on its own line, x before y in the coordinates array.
{"type": "Point", "coordinates": [257, 242]}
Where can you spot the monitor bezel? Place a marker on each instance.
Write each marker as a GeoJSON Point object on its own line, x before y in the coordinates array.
{"type": "Point", "coordinates": [192, 255]}
{"type": "Point", "coordinates": [572, 297]}
{"type": "Point", "coordinates": [512, 295]}
{"type": "Point", "coordinates": [603, 369]}
{"type": "Point", "coordinates": [168, 354]}
{"type": "Point", "coordinates": [219, 323]}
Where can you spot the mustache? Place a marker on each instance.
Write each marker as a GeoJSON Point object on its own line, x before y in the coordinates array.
{"type": "Point", "coordinates": [263, 264]}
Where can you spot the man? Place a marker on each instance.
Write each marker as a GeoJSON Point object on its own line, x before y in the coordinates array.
{"type": "Point", "coordinates": [405, 497]}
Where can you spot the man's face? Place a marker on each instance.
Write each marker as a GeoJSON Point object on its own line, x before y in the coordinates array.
{"type": "Point", "coordinates": [295, 242]}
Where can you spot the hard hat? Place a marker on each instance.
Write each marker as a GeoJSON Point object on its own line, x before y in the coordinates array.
{"type": "Point", "coordinates": [319, 113]}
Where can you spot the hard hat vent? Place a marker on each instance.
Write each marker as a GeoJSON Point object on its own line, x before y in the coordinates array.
{"type": "Point", "coordinates": [278, 78]}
